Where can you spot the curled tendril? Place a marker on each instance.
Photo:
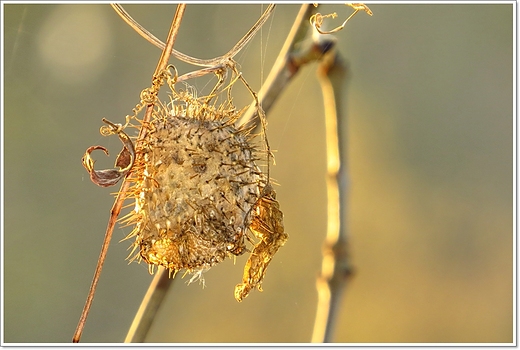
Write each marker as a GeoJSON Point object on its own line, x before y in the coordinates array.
{"type": "Point", "coordinates": [110, 128]}
{"type": "Point", "coordinates": [317, 19]}
{"type": "Point", "coordinates": [124, 162]}
{"type": "Point", "coordinates": [148, 96]}
{"type": "Point", "coordinates": [171, 79]}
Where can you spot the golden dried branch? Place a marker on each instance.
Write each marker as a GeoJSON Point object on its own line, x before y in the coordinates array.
{"type": "Point", "coordinates": [336, 267]}
{"type": "Point", "coordinates": [286, 65]}
{"type": "Point", "coordinates": [118, 203]}
{"type": "Point", "coordinates": [183, 57]}
{"type": "Point", "coordinates": [147, 310]}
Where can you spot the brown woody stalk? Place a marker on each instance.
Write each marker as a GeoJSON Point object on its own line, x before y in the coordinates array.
{"type": "Point", "coordinates": [287, 64]}
{"type": "Point", "coordinates": [118, 203]}
{"type": "Point", "coordinates": [149, 306]}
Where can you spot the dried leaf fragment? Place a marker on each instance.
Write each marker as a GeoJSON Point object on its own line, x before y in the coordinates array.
{"type": "Point", "coordinates": [125, 159]}
{"type": "Point", "coordinates": [267, 225]}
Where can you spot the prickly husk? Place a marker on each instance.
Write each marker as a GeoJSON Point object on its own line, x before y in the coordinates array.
{"type": "Point", "coordinates": [196, 182]}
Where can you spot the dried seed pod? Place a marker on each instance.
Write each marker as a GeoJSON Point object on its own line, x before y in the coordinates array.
{"type": "Point", "coordinates": [196, 183]}
{"type": "Point", "coordinates": [198, 190]}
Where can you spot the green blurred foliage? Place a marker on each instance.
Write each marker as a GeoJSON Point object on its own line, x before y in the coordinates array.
{"type": "Point", "coordinates": [430, 148]}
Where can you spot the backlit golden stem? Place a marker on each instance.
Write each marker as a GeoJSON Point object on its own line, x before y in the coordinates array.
{"type": "Point", "coordinates": [148, 309]}
{"type": "Point", "coordinates": [335, 266]}
{"type": "Point", "coordinates": [192, 60]}
{"type": "Point", "coordinates": [285, 67]}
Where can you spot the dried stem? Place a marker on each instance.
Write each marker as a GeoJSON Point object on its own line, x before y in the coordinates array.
{"type": "Point", "coordinates": [286, 65]}
{"type": "Point", "coordinates": [118, 203]}
{"type": "Point", "coordinates": [183, 57]}
{"type": "Point", "coordinates": [317, 19]}
{"type": "Point", "coordinates": [147, 310]}
{"type": "Point", "coordinates": [336, 267]}
{"type": "Point", "coordinates": [114, 212]}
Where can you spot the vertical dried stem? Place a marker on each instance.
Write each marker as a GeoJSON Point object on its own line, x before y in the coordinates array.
{"type": "Point", "coordinates": [118, 203]}
{"type": "Point", "coordinates": [165, 56]}
{"type": "Point", "coordinates": [287, 64]}
{"type": "Point", "coordinates": [336, 268]}
{"type": "Point", "coordinates": [149, 307]}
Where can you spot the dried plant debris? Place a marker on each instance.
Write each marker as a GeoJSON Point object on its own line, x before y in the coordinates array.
{"type": "Point", "coordinates": [197, 184]}
{"type": "Point", "coordinates": [199, 193]}
{"type": "Point", "coordinates": [124, 161]}
{"type": "Point", "coordinates": [317, 19]}
{"type": "Point", "coordinates": [267, 225]}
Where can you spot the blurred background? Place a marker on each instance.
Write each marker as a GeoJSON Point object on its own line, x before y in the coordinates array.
{"type": "Point", "coordinates": [430, 148]}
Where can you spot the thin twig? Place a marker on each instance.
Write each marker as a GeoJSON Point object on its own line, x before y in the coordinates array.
{"type": "Point", "coordinates": [118, 203]}
{"type": "Point", "coordinates": [336, 267]}
{"type": "Point", "coordinates": [183, 57]}
{"type": "Point", "coordinates": [114, 212]}
{"type": "Point", "coordinates": [317, 19]}
{"type": "Point", "coordinates": [148, 309]}
{"type": "Point", "coordinates": [286, 65]}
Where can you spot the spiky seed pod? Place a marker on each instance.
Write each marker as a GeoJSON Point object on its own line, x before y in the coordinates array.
{"type": "Point", "coordinates": [196, 184]}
